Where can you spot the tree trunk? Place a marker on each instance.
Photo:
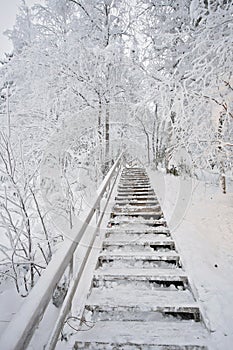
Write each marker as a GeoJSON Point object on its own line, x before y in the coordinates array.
{"type": "Point", "coordinates": [157, 148]}
{"type": "Point", "coordinates": [154, 139]}
{"type": "Point", "coordinates": [99, 130]}
{"type": "Point", "coordinates": [107, 138]}
{"type": "Point", "coordinates": [148, 147]}
{"type": "Point", "coordinates": [222, 176]}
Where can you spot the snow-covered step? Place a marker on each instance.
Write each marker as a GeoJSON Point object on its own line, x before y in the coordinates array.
{"type": "Point", "coordinates": [136, 182]}
{"type": "Point", "coordinates": [146, 257]}
{"type": "Point", "coordinates": [134, 169]}
{"type": "Point", "coordinates": [136, 194]}
{"type": "Point", "coordinates": [140, 248]}
{"type": "Point", "coordinates": [119, 220]}
{"type": "Point", "coordinates": [139, 183]}
{"type": "Point", "coordinates": [138, 178]}
{"type": "Point", "coordinates": [130, 183]}
{"type": "Point", "coordinates": [133, 188]}
{"type": "Point", "coordinates": [135, 232]}
{"type": "Point", "coordinates": [110, 277]}
{"type": "Point", "coordinates": [137, 203]}
{"type": "Point", "coordinates": [133, 208]}
{"type": "Point", "coordinates": [144, 214]}
{"type": "Point", "coordinates": [149, 300]}
{"type": "Point", "coordinates": [136, 209]}
{"type": "Point", "coordinates": [143, 256]}
{"type": "Point", "coordinates": [146, 240]}
{"type": "Point", "coordinates": [135, 191]}
{"type": "Point", "coordinates": [134, 178]}
{"type": "Point", "coordinates": [134, 174]}
{"type": "Point", "coordinates": [97, 312]}
{"type": "Point", "coordinates": [133, 335]}
{"type": "Point", "coordinates": [143, 274]}
{"type": "Point", "coordinates": [135, 198]}
{"type": "Point", "coordinates": [123, 186]}
{"type": "Point", "coordinates": [140, 244]}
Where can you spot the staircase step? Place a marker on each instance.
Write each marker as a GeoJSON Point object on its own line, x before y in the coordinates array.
{"type": "Point", "coordinates": [136, 220]}
{"type": "Point", "coordinates": [135, 198]}
{"type": "Point", "coordinates": [134, 175]}
{"type": "Point", "coordinates": [137, 231]}
{"type": "Point", "coordinates": [110, 277]}
{"type": "Point", "coordinates": [139, 261]}
{"type": "Point", "coordinates": [134, 184]}
{"type": "Point", "coordinates": [152, 300]}
{"type": "Point", "coordinates": [141, 245]}
{"type": "Point", "coordinates": [136, 207]}
{"type": "Point", "coordinates": [144, 240]}
{"type": "Point", "coordinates": [141, 313]}
{"type": "Point", "coordinates": [136, 191]}
{"type": "Point", "coordinates": [164, 274]}
{"type": "Point", "coordinates": [133, 335]}
{"type": "Point", "coordinates": [135, 179]}
{"type": "Point", "coordinates": [136, 203]}
{"type": "Point", "coordinates": [142, 214]}
{"type": "Point", "coordinates": [146, 256]}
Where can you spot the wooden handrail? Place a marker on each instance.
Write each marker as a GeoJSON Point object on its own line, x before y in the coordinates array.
{"type": "Point", "coordinates": [20, 330]}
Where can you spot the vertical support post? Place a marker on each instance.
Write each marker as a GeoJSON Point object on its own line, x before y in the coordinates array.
{"type": "Point", "coordinates": [97, 218]}
{"type": "Point", "coordinates": [71, 268]}
{"type": "Point", "coordinates": [108, 188]}
{"type": "Point", "coordinates": [97, 212]}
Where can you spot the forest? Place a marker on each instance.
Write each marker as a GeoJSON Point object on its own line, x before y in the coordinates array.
{"type": "Point", "coordinates": [88, 79]}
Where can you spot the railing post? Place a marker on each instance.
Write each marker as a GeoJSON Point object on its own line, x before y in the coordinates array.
{"type": "Point", "coordinates": [97, 218]}
{"type": "Point", "coordinates": [71, 268]}
{"type": "Point", "coordinates": [97, 212]}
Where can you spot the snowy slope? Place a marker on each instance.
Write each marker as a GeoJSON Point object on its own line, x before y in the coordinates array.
{"type": "Point", "coordinates": [204, 238]}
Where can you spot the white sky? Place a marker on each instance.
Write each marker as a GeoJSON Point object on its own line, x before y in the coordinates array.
{"type": "Point", "coordinates": [8, 10]}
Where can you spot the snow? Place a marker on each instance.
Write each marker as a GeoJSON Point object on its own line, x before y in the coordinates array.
{"type": "Point", "coordinates": [204, 237]}
{"type": "Point", "coordinates": [10, 304]}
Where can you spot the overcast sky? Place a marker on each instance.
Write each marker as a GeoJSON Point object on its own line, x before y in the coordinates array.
{"type": "Point", "coordinates": [7, 19]}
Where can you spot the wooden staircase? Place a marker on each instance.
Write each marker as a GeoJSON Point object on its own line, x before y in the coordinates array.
{"type": "Point", "coordinates": [140, 296]}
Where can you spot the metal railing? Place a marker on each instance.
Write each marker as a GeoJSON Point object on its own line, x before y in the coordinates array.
{"type": "Point", "coordinates": [21, 329]}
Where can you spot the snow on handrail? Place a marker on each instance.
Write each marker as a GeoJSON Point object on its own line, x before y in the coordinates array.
{"type": "Point", "coordinates": [20, 330]}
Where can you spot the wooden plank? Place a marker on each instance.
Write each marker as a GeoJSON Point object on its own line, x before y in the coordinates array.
{"type": "Point", "coordinates": [139, 241]}
{"type": "Point", "coordinates": [138, 231]}
{"type": "Point", "coordinates": [144, 256]}
{"type": "Point", "coordinates": [145, 214]}
{"type": "Point", "coordinates": [155, 333]}
{"type": "Point", "coordinates": [133, 221]}
{"type": "Point", "coordinates": [135, 195]}
{"type": "Point", "coordinates": [141, 274]}
{"type": "Point", "coordinates": [147, 299]}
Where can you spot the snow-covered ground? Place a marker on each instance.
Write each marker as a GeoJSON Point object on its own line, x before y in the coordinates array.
{"type": "Point", "coordinates": [201, 222]}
